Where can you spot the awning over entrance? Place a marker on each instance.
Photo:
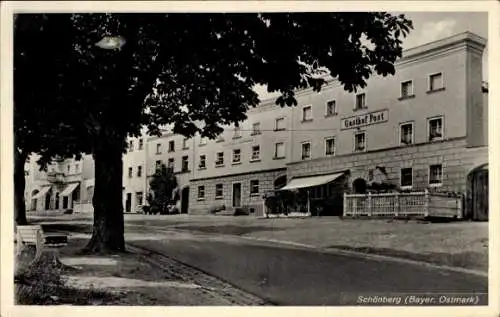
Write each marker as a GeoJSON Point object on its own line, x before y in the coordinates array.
{"type": "Point", "coordinates": [44, 190]}
{"type": "Point", "coordinates": [69, 189]}
{"type": "Point", "coordinates": [312, 181]}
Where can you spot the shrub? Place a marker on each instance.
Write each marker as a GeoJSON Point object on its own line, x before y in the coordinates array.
{"type": "Point", "coordinates": [216, 209]}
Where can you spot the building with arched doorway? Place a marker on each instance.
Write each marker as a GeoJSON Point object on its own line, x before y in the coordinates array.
{"type": "Point", "coordinates": [425, 127]}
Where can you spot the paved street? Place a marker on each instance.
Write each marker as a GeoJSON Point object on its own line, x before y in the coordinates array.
{"type": "Point", "coordinates": [286, 275]}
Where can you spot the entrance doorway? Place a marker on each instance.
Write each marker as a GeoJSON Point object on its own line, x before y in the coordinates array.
{"type": "Point", "coordinates": [57, 202]}
{"type": "Point", "coordinates": [65, 202]}
{"type": "Point", "coordinates": [47, 201]}
{"type": "Point", "coordinates": [185, 200]}
{"type": "Point", "coordinates": [128, 202]}
{"type": "Point", "coordinates": [477, 194]}
{"type": "Point", "coordinates": [237, 195]}
{"type": "Point", "coordinates": [359, 186]}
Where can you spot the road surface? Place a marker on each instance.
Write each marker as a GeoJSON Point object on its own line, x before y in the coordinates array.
{"type": "Point", "coordinates": [287, 275]}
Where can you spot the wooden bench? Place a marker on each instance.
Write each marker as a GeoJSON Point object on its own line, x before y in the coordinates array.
{"type": "Point", "coordinates": [34, 236]}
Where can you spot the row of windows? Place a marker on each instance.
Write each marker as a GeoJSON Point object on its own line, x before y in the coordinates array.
{"type": "Point", "coordinates": [219, 190]}
{"type": "Point", "coordinates": [76, 168]}
{"type": "Point", "coordinates": [435, 132]}
{"type": "Point", "coordinates": [407, 91]}
{"type": "Point", "coordinates": [435, 176]}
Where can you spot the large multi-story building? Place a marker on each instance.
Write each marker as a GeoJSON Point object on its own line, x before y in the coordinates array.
{"type": "Point", "coordinates": [424, 127]}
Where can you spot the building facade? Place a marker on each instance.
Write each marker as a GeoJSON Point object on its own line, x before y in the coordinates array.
{"type": "Point", "coordinates": [426, 127]}
{"type": "Point", "coordinates": [66, 184]}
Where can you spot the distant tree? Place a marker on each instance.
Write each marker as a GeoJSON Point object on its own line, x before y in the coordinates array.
{"type": "Point", "coordinates": [197, 72]}
{"type": "Point", "coordinates": [163, 186]}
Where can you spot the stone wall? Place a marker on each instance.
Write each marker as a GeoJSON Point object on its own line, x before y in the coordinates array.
{"type": "Point", "coordinates": [455, 158]}
{"type": "Point", "coordinates": [266, 183]}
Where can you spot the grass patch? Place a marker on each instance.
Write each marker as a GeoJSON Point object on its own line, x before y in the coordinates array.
{"type": "Point", "coordinates": [41, 284]}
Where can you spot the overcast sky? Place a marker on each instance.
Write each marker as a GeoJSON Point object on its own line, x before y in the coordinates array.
{"type": "Point", "coordinates": [431, 26]}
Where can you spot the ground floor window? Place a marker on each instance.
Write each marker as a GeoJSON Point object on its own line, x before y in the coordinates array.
{"type": "Point", "coordinates": [254, 187]}
{"type": "Point", "coordinates": [201, 192]}
{"type": "Point", "coordinates": [406, 178]}
{"type": "Point", "coordinates": [219, 191]}
{"type": "Point", "coordinates": [436, 174]}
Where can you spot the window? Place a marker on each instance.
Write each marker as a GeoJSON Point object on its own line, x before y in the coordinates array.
{"type": "Point", "coordinates": [236, 156]}
{"type": "Point", "coordinates": [201, 192]}
{"type": "Point", "coordinates": [279, 150]}
{"type": "Point", "coordinates": [255, 152]}
{"type": "Point", "coordinates": [306, 150]}
{"type": "Point", "coordinates": [171, 163]}
{"type": "Point", "coordinates": [220, 159]}
{"type": "Point", "coordinates": [436, 175]}
{"type": "Point", "coordinates": [69, 169]}
{"type": "Point", "coordinates": [435, 129]}
{"type": "Point", "coordinates": [406, 89]}
{"type": "Point", "coordinates": [237, 133]}
{"type": "Point", "coordinates": [130, 172]}
{"type": "Point", "coordinates": [139, 171]}
{"type": "Point", "coordinates": [360, 101]}
{"type": "Point", "coordinates": [436, 82]}
{"type": "Point", "coordinates": [185, 163]}
{"type": "Point", "coordinates": [158, 148]}
{"type": "Point", "coordinates": [203, 162]}
{"type": "Point", "coordinates": [158, 165]}
{"type": "Point", "coordinates": [141, 144]}
{"type": "Point", "coordinates": [256, 128]}
{"type": "Point", "coordinates": [130, 145]}
{"type": "Point", "coordinates": [203, 141]}
{"type": "Point", "coordinates": [138, 198]}
{"type": "Point", "coordinates": [406, 177]}
{"type": "Point", "coordinates": [307, 113]}
{"type": "Point", "coordinates": [171, 146]}
{"type": "Point", "coordinates": [359, 142]}
{"type": "Point", "coordinates": [330, 146]}
{"type": "Point", "coordinates": [331, 108]}
{"type": "Point", "coordinates": [254, 187]}
{"type": "Point", "coordinates": [406, 133]}
{"type": "Point", "coordinates": [185, 145]}
{"type": "Point", "coordinates": [280, 124]}
{"type": "Point", "coordinates": [77, 167]}
{"type": "Point", "coordinates": [219, 191]}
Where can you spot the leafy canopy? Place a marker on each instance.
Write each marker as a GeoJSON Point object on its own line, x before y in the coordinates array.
{"type": "Point", "coordinates": [196, 72]}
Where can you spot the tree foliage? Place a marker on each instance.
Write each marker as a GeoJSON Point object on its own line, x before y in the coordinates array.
{"type": "Point", "coordinates": [163, 186]}
{"type": "Point", "coordinates": [196, 72]}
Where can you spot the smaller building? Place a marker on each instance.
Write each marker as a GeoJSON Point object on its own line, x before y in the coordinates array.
{"type": "Point", "coordinates": [67, 184]}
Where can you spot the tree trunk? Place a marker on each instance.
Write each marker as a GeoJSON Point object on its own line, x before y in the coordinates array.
{"type": "Point", "coordinates": [108, 229]}
{"type": "Point", "coordinates": [19, 188]}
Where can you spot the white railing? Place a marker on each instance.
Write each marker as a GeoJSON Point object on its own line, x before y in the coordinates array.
{"type": "Point", "coordinates": [413, 204]}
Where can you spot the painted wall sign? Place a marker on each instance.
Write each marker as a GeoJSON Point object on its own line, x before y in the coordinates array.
{"type": "Point", "coordinates": [365, 119]}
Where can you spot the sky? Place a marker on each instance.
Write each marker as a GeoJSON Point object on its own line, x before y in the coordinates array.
{"type": "Point", "coordinates": [432, 26]}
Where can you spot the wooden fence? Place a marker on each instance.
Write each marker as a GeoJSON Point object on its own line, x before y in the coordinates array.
{"type": "Point", "coordinates": [413, 204]}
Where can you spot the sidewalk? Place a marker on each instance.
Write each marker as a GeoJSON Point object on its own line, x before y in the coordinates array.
{"type": "Point", "coordinates": [133, 278]}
